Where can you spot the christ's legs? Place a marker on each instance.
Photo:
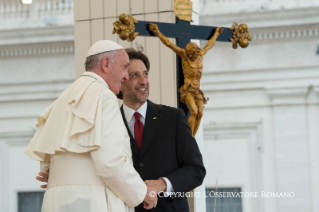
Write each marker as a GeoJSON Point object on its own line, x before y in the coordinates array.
{"type": "Point", "coordinates": [190, 103]}
{"type": "Point", "coordinates": [200, 107]}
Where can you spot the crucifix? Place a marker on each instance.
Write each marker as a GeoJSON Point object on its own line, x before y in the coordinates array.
{"type": "Point", "coordinates": [189, 55]}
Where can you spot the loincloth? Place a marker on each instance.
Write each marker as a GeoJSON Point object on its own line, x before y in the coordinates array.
{"type": "Point", "coordinates": [196, 93]}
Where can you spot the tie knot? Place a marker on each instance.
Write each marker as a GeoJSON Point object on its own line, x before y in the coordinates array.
{"type": "Point", "coordinates": [137, 116]}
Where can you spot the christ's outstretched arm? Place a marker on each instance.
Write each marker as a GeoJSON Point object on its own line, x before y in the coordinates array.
{"type": "Point", "coordinates": [212, 40]}
{"type": "Point", "coordinates": [176, 49]}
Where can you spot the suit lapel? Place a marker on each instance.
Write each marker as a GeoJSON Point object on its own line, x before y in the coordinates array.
{"type": "Point", "coordinates": [134, 146]}
{"type": "Point", "coordinates": [152, 124]}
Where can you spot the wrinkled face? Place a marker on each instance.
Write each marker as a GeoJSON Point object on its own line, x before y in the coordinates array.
{"type": "Point", "coordinates": [118, 72]}
{"type": "Point", "coordinates": [136, 88]}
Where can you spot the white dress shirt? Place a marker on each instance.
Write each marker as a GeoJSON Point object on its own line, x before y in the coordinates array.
{"type": "Point", "coordinates": [130, 120]}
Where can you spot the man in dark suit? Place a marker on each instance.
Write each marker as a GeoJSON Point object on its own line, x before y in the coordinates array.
{"type": "Point", "coordinates": [164, 152]}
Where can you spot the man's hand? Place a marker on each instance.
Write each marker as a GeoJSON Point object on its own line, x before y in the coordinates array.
{"type": "Point", "coordinates": [43, 177]}
{"type": "Point", "coordinates": [150, 200]}
{"type": "Point", "coordinates": [159, 185]}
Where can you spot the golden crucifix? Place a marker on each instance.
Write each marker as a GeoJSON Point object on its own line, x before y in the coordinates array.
{"type": "Point", "coordinates": [192, 63]}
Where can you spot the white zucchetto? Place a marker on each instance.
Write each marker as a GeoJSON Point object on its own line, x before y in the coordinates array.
{"type": "Point", "coordinates": [103, 46]}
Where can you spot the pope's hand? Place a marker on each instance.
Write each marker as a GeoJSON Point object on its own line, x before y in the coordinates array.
{"type": "Point", "coordinates": [150, 200]}
{"type": "Point", "coordinates": [153, 27]}
{"type": "Point", "coordinates": [43, 177]}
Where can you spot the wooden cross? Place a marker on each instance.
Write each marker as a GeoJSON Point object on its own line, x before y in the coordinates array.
{"type": "Point", "coordinates": [183, 32]}
{"type": "Point", "coordinates": [128, 28]}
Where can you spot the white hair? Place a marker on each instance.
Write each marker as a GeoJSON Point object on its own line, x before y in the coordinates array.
{"type": "Point", "coordinates": [93, 61]}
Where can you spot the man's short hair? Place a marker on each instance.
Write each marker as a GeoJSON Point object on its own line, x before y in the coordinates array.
{"type": "Point", "coordinates": [136, 55]}
{"type": "Point", "coordinates": [93, 61]}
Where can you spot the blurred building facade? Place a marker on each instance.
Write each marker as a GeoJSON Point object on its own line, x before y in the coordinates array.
{"type": "Point", "coordinates": [260, 124]}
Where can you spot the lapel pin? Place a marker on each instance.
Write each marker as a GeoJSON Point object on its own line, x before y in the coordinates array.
{"type": "Point", "coordinates": [154, 118]}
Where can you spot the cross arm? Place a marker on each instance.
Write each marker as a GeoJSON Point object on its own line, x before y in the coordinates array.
{"type": "Point", "coordinates": [186, 31]}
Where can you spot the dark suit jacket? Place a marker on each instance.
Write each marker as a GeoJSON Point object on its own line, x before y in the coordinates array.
{"type": "Point", "coordinates": [168, 150]}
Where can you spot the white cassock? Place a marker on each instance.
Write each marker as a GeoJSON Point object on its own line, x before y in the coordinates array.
{"type": "Point", "coordinates": [82, 137]}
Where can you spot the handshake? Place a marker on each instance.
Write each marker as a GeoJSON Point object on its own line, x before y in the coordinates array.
{"type": "Point", "coordinates": [154, 187]}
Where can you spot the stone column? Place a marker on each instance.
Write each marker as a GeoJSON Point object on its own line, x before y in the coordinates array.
{"type": "Point", "coordinates": [292, 153]}
{"type": "Point", "coordinates": [33, 12]}
{"type": "Point", "coordinates": [313, 132]}
{"type": "Point", "coordinates": [4, 177]}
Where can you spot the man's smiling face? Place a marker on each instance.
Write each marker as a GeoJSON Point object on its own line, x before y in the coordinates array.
{"type": "Point", "coordinates": [136, 89]}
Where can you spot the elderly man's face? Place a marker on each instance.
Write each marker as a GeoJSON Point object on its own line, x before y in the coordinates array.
{"type": "Point", "coordinates": [136, 89]}
{"type": "Point", "coordinates": [118, 72]}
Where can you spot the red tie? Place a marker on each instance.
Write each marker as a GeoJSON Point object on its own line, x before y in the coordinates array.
{"type": "Point", "coordinates": [138, 129]}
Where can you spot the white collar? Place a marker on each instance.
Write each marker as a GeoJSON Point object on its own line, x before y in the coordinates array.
{"type": "Point", "coordinates": [96, 76]}
{"type": "Point", "coordinates": [129, 112]}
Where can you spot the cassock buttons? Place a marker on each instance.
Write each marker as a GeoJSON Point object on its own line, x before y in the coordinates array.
{"type": "Point", "coordinates": [141, 164]}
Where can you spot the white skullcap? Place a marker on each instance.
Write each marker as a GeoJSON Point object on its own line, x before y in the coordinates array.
{"type": "Point", "coordinates": [103, 46]}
